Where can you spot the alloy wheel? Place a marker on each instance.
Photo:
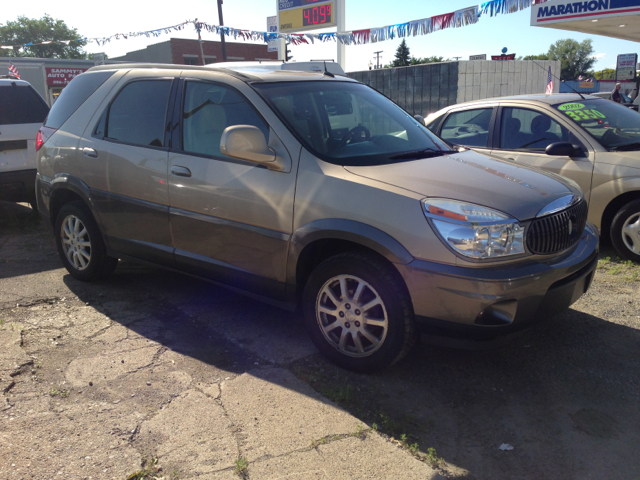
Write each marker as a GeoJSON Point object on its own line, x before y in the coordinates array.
{"type": "Point", "coordinates": [76, 242]}
{"type": "Point", "coordinates": [352, 316]}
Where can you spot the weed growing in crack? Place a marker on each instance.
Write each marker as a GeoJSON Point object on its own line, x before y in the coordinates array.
{"type": "Point", "coordinates": [360, 431]}
{"type": "Point", "coordinates": [150, 471]}
{"type": "Point", "coordinates": [241, 466]}
{"type": "Point", "coordinates": [54, 392]}
{"type": "Point", "coordinates": [432, 457]}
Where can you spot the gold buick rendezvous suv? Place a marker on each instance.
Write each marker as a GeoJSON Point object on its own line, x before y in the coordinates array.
{"type": "Point", "coordinates": [313, 192]}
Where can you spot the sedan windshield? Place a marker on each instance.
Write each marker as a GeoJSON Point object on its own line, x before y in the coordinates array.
{"type": "Point", "coordinates": [615, 126]}
{"type": "Point", "coordinates": [349, 123]}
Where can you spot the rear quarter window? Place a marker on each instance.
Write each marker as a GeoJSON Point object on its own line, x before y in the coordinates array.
{"type": "Point", "coordinates": [74, 95]}
{"type": "Point", "coordinates": [21, 104]}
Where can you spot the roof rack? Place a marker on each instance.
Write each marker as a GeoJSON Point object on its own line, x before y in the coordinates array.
{"type": "Point", "coordinates": [170, 66]}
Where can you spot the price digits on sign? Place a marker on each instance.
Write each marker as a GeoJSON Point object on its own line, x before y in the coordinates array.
{"type": "Point", "coordinates": [316, 15]}
{"type": "Point", "coordinates": [581, 115]}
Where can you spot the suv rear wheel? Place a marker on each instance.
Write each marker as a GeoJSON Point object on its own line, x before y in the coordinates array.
{"type": "Point", "coordinates": [80, 244]}
{"type": "Point", "coordinates": [625, 231]}
{"type": "Point", "coordinates": [357, 312]}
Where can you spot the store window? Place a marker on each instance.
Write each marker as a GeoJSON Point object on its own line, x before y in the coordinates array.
{"type": "Point", "coordinates": [191, 59]}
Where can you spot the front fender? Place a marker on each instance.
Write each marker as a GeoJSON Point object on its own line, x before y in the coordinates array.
{"type": "Point", "coordinates": [341, 229]}
{"type": "Point", "coordinates": [603, 194]}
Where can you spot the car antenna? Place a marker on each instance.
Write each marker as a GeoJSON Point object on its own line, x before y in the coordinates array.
{"type": "Point", "coordinates": [574, 90]}
{"type": "Point", "coordinates": [327, 72]}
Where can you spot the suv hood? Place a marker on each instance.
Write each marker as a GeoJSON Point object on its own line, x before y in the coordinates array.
{"type": "Point", "coordinates": [468, 176]}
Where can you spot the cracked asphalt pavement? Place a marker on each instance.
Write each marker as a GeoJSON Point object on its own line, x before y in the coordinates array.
{"type": "Point", "coordinates": [155, 373]}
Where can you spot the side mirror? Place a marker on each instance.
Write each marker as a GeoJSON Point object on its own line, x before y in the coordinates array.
{"type": "Point", "coordinates": [247, 142]}
{"type": "Point", "coordinates": [419, 118]}
{"type": "Point", "coordinates": [564, 149]}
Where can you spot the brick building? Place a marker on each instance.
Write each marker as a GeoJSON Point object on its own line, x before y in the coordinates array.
{"type": "Point", "coordinates": [182, 51]}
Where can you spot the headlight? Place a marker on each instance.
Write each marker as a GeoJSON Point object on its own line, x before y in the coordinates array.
{"type": "Point", "coordinates": [475, 231]}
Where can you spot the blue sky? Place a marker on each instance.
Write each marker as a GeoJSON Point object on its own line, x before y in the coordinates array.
{"type": "Point", "coordinates": [488, 36]}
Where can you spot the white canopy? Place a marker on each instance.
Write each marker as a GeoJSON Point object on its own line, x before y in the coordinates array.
{"type": "Point", "coordinates": [611, 18]}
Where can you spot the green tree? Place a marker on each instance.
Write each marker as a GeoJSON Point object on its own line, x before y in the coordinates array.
{"type": "Point", "coordinates": [432, 59]}
{"type": "Point", "coordinates": [542, 56]}
{"type": "Point", "coordinates": [31, 30]}
{"type": "Point", "coordinates": [403, 57]}
{"type": "Point", "coordinates": [606, 74]}
{"type": "Point", "coordinates": [575, 57]}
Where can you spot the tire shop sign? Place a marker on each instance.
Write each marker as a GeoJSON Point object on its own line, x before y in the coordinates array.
{"type": "Point", "coordinates": [62, 76]}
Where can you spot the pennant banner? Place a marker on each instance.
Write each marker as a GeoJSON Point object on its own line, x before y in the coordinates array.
{"type": "Point", "coordinates": [425, 26]}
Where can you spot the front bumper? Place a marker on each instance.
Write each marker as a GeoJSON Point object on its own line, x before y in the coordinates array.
{"type": "Point", "coordinates": [18, 186]}
{"type": "Point", "coordinates": [487, 302]}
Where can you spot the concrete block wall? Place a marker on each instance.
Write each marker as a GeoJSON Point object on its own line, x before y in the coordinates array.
{"type": "Point", "coordinates": [424, 89]}
{"type": "Point", "coordinates": [419, 88]}
{"type": "Point", "coordinates": [479, 79]}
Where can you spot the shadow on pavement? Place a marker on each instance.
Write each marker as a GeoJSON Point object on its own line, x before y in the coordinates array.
{"type": "Point", "coordinates": [27, 245]}
{"type": "Point", "coordinates": [565, 394]}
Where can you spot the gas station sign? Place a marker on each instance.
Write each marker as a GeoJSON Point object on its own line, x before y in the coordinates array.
{"type": "Point", "coordinates": [295, 15]}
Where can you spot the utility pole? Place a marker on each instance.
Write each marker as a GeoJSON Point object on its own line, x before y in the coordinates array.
{"type": "Point", "coordinates": [224, 48]}
{"type": "Point", "coordinates": [457, 58]}
{"type": "Point", "coordinates": [377, 54]}
{"type": "Point", "coordinates": [198, 28]}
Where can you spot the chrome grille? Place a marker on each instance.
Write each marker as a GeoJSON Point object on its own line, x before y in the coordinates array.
{"type": "Point", "coordinates": [557, 232]}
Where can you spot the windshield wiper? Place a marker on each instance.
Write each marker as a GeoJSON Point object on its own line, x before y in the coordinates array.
{"type": "Point", "coordinates": [426, 153]}
{"type": "Point", "coordinates": [626, 147]}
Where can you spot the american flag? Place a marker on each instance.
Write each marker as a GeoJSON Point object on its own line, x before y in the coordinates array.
{"type": "Point", "coordinates": [549, 83]}
{"type": "Point", "coordinates": [13, 71]}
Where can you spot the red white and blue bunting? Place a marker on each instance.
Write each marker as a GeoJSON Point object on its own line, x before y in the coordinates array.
{"type": "Point", "coordinates": [424, 26]}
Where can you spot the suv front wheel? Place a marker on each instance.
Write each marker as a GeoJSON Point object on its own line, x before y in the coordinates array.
{"type": "Point", "coordinates": [625, 231]}
{"type": "Point", "coordinates": [80, 244]}
{"type": "Point", "coordinates": [358, 312]}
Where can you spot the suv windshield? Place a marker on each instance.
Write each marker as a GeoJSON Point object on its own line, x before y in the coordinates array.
{"type": "Point", "coordinates": [615, 126]}
{"type": "Point", "coordinates": [349, 123]}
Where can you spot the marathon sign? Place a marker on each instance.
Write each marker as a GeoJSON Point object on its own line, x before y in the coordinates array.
{"type": "Point", "coordinates": [555, 11]}
{"type": "Point", "coordinates": [62, 76]}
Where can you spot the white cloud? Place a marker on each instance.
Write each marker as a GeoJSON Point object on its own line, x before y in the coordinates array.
{"type": "Point", "coordinates": [599, 56]}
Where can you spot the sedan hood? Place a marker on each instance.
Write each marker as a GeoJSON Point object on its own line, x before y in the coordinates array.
{"type": "Point", "coordinates": [468, 176]}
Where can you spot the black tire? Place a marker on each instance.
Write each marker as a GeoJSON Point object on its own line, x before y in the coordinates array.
{"type": "Point", "coordinates": [98, 265]}
{"type": "Point", "coordinates": [379, 282]}
{"type": "Point", "coordinates": [624, 239]}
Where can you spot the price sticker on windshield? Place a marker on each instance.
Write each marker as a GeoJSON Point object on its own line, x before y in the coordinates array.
{"type": "Point", "coordinates": [578, 113]}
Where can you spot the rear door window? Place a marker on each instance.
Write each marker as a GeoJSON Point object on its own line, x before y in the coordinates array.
{"type": "Point", "coordinates": [468, 128]}
{"type": "Point", "coordinates": [21, 104]}
{"type": "Point", "coordinates": [138, 114]}
{"type": "Point", "coordinates": [74, 95]}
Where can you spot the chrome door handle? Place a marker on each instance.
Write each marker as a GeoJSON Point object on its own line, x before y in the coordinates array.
{"type": "Point", "coordinates": [179, 171]}
{"type": "Point", "coordinates": [89, 152]}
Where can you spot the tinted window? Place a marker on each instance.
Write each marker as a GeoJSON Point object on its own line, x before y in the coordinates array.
{"type": "Point", "coordinates": [523, 129]}
{"type": "Point", "coordinates": [468, 128]}
{"type": "Point", "coordinates": [138, 113]}
{"type": "Point", "coordinates": [21, 104]}
{"type": "Point", "coordinates": [208, 110]}
{"type": "Point", "coordinates": [349, 123]}
{"type": "Point", "coordinates": [74, 95]}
